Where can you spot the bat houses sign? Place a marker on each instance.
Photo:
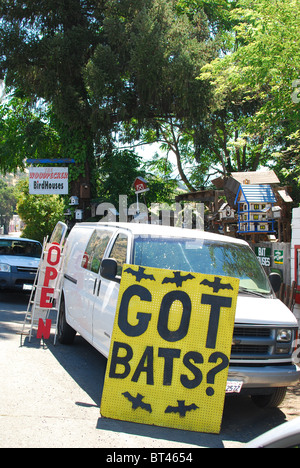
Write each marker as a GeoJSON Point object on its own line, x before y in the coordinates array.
{"type": "Point", "coordinates": [170, 349]}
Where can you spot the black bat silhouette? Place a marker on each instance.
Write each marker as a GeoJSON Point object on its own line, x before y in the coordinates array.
{"type": "Point", "coordinates": [182, 408]}
{"type": "Point", "coordinates": [178, 278]}
{"type": "Point", "coordinates": [137, 401]}
{"type": "Point", "coordinates": [216, 284]}
{"type": "Point", "coordinates": [140, 274]}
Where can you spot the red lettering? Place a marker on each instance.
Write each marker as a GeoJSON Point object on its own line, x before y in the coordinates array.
{"type": "Point", "coordinates": [45, 300]}
{"type": "Point", "coordinates": [56, 260]}
{"type": "Point", "coordinates": [50, 274]}
{"type": "Point", "coordinates": [44, 330]}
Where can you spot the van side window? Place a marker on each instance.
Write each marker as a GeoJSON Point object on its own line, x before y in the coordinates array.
{"type": "Point", "coordinates": [119, 251]}
{"type": "Point", "coordinates": [95, 249]}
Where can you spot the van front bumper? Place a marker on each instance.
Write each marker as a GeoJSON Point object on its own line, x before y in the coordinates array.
{"type": "Point", "coordinates": [265, 376]}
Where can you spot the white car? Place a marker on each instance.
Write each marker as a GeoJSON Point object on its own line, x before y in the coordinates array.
{"type": "Point", "coordinates": [19, 261]}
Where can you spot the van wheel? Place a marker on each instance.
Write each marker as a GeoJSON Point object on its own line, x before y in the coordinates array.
{"type": "Point", "coordinates": [65, 333]}
{"type": "Point", "coordinates": [270, 401]}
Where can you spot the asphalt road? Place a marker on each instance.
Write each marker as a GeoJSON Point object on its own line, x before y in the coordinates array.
{"type": "Point", "coordinates": [50, 398]}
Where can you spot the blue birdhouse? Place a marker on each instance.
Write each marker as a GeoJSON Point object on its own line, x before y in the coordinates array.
{"type": "Point", "coordinates": [255, 204]}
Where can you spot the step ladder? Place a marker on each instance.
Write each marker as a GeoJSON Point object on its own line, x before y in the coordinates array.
{"type": "Point", "coordinates": [32, 304]}
{"type": "Point", "coordinates": [34, 312]}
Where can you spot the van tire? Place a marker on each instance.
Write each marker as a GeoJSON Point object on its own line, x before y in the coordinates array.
{"type": "Point", "coordinates": [272, 400]}
{"type": "Point", "coordinates": [65, 333]}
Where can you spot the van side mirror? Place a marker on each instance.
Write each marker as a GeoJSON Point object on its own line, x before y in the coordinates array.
{"type": "Point", "coordinates": [275, 280]}
{"type": "Point", "coordinates": [109, 268]}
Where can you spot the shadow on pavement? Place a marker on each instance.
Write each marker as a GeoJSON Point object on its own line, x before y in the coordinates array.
{"type": "Point", "coordinates": [242, 420]}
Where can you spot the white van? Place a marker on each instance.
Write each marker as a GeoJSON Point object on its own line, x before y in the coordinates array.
{"type": "Point", "coordinates": [265, 329]}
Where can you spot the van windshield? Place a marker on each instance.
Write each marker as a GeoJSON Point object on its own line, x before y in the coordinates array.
{"type": "Point", "coordinates": [20, 248]}
{"type": "Point", "coordinates": [203, 256]}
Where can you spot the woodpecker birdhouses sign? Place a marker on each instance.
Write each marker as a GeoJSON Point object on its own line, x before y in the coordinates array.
{"type": "Point", "coordinates": [48, 180]}
{"type": "Point", "coordinates": [140, 185]}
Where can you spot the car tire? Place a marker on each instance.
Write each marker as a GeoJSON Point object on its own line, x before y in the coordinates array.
{"type": "Point", "coordinates": [272, 400]}
{"type": "Point", "coordinates": [65, 333]}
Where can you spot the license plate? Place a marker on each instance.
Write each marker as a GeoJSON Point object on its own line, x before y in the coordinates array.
{"type": "Point", "coordinates": [27, 287]}
{"type": "Point", "coordinates": [233, 386]}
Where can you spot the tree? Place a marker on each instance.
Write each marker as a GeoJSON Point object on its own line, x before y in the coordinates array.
{"type": "Point", "coordinates": [254, 82]}
{"type": "Point", "coordinates": [40, 213]}
{"type": "Point", "coordinates": [98, 65]}
{"type": "Point", "coordinates": [25, 133]}
{"type": "Point", "coordinates": [107, 68]}
{"type": "Point", "coordinates": [146, 66]}
{"type": "Point", "coordinates": [7, 205]}
{"type": "Point", "coordinates": [43, 49]}
{"type": "Point", "coordinates": [143, 78]}
{"type": "Point", "coordinates": [119, 169]}
{"type": "Point", "coordinates": [161, 183]}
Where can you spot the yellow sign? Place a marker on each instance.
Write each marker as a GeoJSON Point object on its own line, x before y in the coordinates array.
{"type": "Point", "coordinates": [170, 349]}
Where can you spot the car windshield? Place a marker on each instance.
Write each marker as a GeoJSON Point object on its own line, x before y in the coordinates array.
{"type": "Point", "coordinates": [203, 256]}
{"type": "Point", "coordinates": [20, 248]}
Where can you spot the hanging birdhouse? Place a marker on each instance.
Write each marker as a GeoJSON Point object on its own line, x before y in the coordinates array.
{"type": "Point", "coordinates": [255, 204]}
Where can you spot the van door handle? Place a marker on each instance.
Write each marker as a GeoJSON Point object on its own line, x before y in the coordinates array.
{"type": "Point", "coordinates": [95, 284]}
{"type": "Point", "coordinates": [99, 287]}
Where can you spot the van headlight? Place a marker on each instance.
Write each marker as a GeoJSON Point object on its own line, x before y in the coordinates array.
{"type": "Point", "coordinates": [284, 335]}
{"type": "Point", "coordinates": [284, 341]}
{"type": "Point", "coordinates": [4, 268]}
